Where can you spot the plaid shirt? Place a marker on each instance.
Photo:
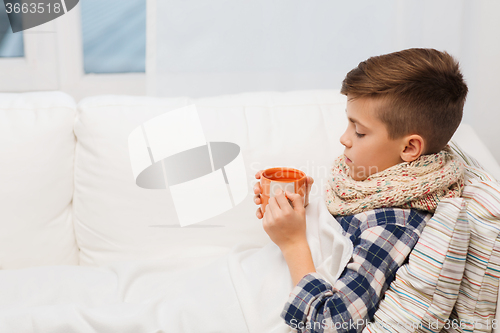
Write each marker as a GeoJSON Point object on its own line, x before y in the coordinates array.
{"type": "Point", "coordinates": [382, 240]}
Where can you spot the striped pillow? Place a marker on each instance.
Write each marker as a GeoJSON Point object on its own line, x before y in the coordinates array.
{"type": "Point", "coordinates": [425, 289]}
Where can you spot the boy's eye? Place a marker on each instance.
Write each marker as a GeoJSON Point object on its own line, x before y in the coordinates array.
{"type": "Point", "coordinates": [359, 135]}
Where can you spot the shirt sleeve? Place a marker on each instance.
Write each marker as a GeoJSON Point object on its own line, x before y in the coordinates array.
{"type": "Point", "coordinates": [347, 306]}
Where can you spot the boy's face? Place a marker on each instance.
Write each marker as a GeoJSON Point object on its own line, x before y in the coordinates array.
{"type": "Point", "coordinates": [368, 149]}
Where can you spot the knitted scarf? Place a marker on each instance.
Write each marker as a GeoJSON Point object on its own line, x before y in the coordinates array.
{"type": "Point", "coordinates": [420, 184]}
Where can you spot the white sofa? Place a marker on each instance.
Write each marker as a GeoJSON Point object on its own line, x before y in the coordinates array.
{"type": "Point", "coordinates": [69, 196]}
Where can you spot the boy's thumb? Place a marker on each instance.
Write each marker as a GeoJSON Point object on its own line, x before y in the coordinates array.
{"type": "Point", "coordinates": [296, 199]}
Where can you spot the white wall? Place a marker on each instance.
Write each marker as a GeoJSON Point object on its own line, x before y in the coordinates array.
{"type": "Point", "coordinates": [481, 65]}
{"type": "Point", "coordinates": [204, 48]}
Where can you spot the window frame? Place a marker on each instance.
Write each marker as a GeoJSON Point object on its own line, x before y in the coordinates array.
{"type": "Point", "coordinates": [36, 70]}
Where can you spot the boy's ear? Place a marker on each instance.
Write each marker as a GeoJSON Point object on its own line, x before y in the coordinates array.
{"type": "Point", "coordinates": [413, 148]}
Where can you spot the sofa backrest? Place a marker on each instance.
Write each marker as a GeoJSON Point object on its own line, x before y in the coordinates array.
{"type": "Point", "coordinates": [117, 220]}
{"type": "Point", "coordinates": [77, 202]}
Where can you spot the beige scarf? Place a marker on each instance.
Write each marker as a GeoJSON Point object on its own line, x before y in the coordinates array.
{"type": "Point", "coordinates": [420, 184]}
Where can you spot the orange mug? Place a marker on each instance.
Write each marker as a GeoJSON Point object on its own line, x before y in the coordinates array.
{"type": "Point", "coordinates": [287, 179]}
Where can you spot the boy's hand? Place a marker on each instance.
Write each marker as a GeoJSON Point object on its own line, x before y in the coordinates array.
{"type": "Point", "coordinates": [257, 190]}
{"type": "Point", "coordinates": [286, 225]}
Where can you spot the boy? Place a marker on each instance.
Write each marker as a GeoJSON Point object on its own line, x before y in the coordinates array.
{"type": "Point", "coordinates": [402, 108]}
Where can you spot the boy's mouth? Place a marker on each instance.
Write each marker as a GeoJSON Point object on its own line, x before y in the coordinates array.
{"type": "Point", "coordinates": [347, 159]}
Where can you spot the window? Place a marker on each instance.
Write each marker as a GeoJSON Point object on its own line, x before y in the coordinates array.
{"type": "Point", "coordinates": [11, 44]}
{"type": "Point", "coordinates": [114, 36]}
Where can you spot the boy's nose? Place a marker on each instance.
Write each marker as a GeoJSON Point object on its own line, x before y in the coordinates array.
{"type": "Point", "coordinates": [344, 140]}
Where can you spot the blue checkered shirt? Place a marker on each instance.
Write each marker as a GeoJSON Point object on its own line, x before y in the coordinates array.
{"type": "Point", "coordinates": [382, 240]}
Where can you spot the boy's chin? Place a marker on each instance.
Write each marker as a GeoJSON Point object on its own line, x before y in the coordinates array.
{"type": "Point", "coordinates": [353, 176]}
{"type": "Point", "coordinates": [356, 177]}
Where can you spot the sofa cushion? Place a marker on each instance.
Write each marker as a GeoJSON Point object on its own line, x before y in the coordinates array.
{"type": "Point", "coordinates": [37, 147]}
{"type": "Point", "coordinates": [473, 169]}
{"type": "Point", "coordinates": [423, 294]}
{"type": "Point", "coordinates": [473, 151]}
{"type": "Point", "coordinates": [118, 220]}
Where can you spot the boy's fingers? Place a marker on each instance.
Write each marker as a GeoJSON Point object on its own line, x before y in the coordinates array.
{"type": "Point", "coordinates": [281, 199]}
{"type": "Point", "coordinates": [256, 188]}
{"type": "Point", "coordinates": [259, 214]}
{"type": "Point", "coordinates": [296, 199]}
{"type": "Point", "coordinates": [277, 205]}
{"type": "Point", "coordinates": [257, 175]}
{"type": "Point", "coordinates": [269, 208]}
{"type": "Point", "coordinates": [309, 182]}
{"type": "Point", "coordinates": [257, 200]}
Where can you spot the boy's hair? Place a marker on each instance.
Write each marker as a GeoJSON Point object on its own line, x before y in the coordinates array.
{"type": "Point", "coordinates": [424, 92]}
